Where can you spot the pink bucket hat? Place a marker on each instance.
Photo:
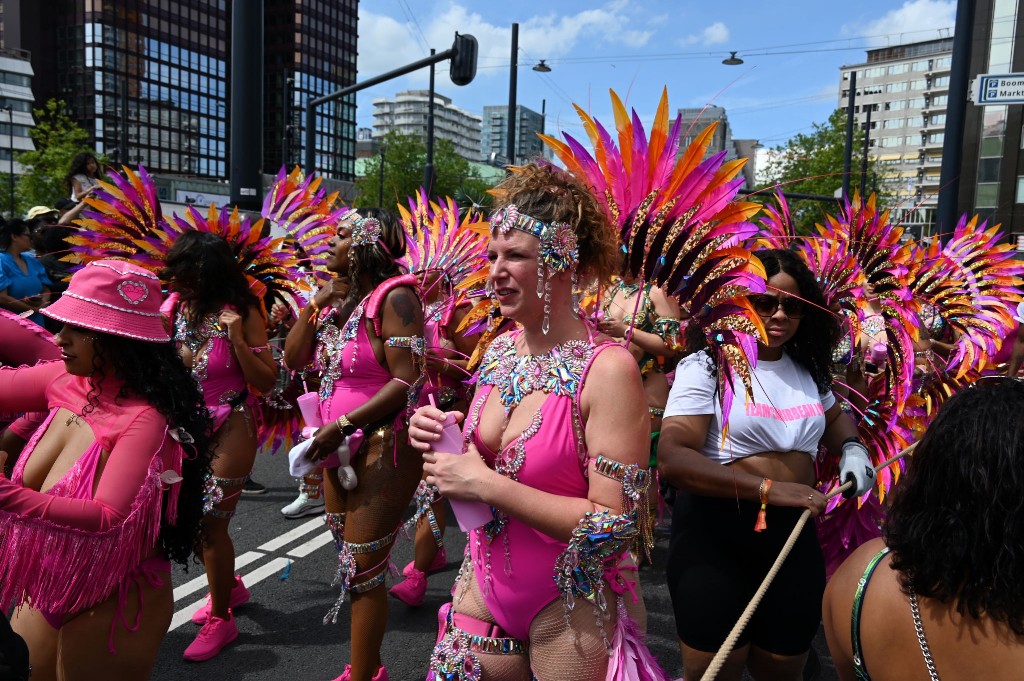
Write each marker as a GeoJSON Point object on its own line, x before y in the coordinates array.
{"type": "Point", "coordinates": [115, 297]}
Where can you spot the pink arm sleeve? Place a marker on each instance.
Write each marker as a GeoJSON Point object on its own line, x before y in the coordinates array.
{"type": "Point", "coordinates": [123, 475]}
{"type": "Point", "coordinates": [24, 388]}
{"type": "Point", "coordinates": [25, 426]}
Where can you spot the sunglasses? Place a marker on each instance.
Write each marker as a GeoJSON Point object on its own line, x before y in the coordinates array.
{"type": "Point", "coordinates": [766, 305]}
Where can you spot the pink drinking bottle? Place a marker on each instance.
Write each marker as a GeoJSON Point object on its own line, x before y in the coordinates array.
{"type": "Point", "coordinates": [878, 354]}
{"type": "Point", "coordinates": [470, 514]}
{"type": "Point", "coordinates": [309, 406]}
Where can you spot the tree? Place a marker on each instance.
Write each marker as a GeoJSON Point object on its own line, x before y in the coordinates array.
{"type": "Point", "coordinates": [404, 158]}
{"type": "Point", "coordinates": [813, 164]}
{"type": "Point", "coordinates": [57, 140]}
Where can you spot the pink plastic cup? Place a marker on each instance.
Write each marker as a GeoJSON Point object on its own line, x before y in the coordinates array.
{"type": "Point", "coordinates": [470, 514]}
{"type": "Point", "coordinates": [309, 406]}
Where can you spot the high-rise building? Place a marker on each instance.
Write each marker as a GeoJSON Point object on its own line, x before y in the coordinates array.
{"type": "Point", "coordinates": [310, 51]}
{"type": "Point", "coordinates": [694, 122]}
{"type": "Point", "coordinates": [149, 79]}
{"type": "Point", "coordinates": [992, 169]}
{"type": "Point", "coordinates": [407, 114]}
{"type": "Point", "coordinates": [16, 102]}
{"type": "Point", "coordinates": [905, 88]}
{"type": "Point", "coordinates": [494, 135]}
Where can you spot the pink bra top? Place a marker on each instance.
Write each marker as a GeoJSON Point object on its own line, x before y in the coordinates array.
{"type": "Point", "coordinates": [351, 372]}
{"type": "Point", "coordinates": [214, 364]}
{"type": "Point", "coordinates": [550, 455]}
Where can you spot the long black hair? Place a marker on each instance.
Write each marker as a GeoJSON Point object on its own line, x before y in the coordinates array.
{"type": "Point", "coordinates": [201, 267]}
{"type": "Point", "coordinates": [818, 331]}
{"type": "Point", "coordinates": [379, 260]}
{"type": "Point", "coordinates": [956, 524]}
{"type": "Point", "coordinates": [155, 372]}
{"type": "Point", "coordinates": [79, 167]}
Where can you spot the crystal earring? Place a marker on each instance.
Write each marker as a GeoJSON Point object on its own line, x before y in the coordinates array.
{"type": "Point", "coordinates": [577, 295]}
{"type": "Point", "coordinates": [546, 324]}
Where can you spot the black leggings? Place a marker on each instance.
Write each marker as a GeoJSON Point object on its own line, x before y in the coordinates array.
{"type": "Point", "coordinates": [716, 563]}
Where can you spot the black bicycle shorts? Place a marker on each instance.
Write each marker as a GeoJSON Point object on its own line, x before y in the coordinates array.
{"type": "Point", "coordinates": [717, 562]}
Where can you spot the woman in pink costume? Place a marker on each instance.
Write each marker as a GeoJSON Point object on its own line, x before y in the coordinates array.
{"type": "Point", "coordinates": [220, 332]}
{"type": "Point", "coordinates": [109, 490]}
{"type": "Point", "coordinates": [368, 343]}
{"type": "Point", "coordinates": [21, 342]}
{"type": "Point", "coordinates": [556, 443]}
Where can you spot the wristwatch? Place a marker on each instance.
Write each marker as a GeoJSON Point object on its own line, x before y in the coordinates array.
{"type": "Point", "coordinates": [345, 426]}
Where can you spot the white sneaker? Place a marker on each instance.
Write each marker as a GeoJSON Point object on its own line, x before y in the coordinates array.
{"type": "Point", "coordinates": [303, 506]}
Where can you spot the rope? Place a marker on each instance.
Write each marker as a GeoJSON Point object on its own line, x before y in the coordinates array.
{"type": "Point", "coordinates": [730, 642]}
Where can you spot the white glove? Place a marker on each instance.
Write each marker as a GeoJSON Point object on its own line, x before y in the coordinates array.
{"type": "Point", "coordinates": [855, 464]}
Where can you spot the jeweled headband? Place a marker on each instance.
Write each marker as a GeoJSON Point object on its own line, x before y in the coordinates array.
{"type": "Point", "coordinates": [366, 231]}
{"type": "Point", "coordinates": [559, 248]}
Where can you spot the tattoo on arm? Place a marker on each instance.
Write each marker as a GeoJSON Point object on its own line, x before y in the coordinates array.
{"type": "Point", "coordinates": [404, 305]}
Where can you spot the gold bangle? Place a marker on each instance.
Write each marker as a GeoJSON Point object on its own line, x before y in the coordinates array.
{"type": "Point", "coordinates": [342, 422]}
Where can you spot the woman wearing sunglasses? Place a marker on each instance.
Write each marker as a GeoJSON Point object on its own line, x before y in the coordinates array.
{"type": "Point", "coordinates": [747, 478]}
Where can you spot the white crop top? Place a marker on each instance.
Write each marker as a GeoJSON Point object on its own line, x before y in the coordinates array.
{"type": "Point", "coordinates": [787, 414]}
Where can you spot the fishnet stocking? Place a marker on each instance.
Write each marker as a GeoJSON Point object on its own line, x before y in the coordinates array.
{"type": "Point", "coordinates": [493, 667]}
{"type": "Point", "coordinates": [376, 506]}
{"type": "Point", "coordinates": [558, 652]}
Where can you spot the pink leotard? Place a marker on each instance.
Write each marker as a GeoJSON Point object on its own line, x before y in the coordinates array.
{"type": "Point", "coordinates": [554, 460]}
{"type": "Point", "coordinates": [435, 319]}
{"type": "Point", "coordinates": [96, 529]}
{"type": "Point", "coordinates": [351, 372]}
{"type": "Point", "coordinates": [214, 365]}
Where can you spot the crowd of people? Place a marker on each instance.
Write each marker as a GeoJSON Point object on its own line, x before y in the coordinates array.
{"type": "Point", "coordinates": [610, 338]}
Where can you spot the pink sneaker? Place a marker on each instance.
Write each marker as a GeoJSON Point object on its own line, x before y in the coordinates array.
{"type": "Point", "coordinates": [212, 639]}
{"type": "Point", "coordinates": [412, 590]}
{"type": "Point", "coordinates": [440, 562]}
{"type": "Point", "coordinates": [239, 596]}
{"type": "Point", "coordinates": [381, 675]}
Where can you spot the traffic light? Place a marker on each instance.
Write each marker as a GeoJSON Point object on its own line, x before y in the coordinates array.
{"type": "Point", "coordinates": [463, 62]}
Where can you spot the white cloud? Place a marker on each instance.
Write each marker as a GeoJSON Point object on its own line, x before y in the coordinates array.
{"type": "Point", "coordinates": [715, 34]}
{"type": "Point", "coordinates": [915, 20]}
{"type": "Point", "coordinates": [385, 43]}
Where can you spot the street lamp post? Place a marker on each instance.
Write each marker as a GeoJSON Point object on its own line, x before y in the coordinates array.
{"type": "Point", "coordinates": [10, 146]}
{"type": "Point", "coordinates": [510, 125]}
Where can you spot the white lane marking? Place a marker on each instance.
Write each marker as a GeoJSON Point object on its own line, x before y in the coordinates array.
{"type": "Point", "coordinates": [291, 535]}
{"type": "Point", "coordinates": [256, 576]}
{"type": "Point", "coordinates": [199, 582]}
{"type": "Point", "coordinates": [303, 550]}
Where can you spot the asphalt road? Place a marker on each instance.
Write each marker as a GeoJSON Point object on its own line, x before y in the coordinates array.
{"type": "Point", "coordinates": [288, 566]}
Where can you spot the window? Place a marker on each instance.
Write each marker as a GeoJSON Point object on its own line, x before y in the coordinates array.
{"type": "Point", "coordinates": [988, 169]}
{"type": "Point", "coordinates": [940, 81]}
{"type": "Point", "coordinates": [987, 195]}
{"type": "Point", "coordinates": [991, 147]}
{"type": "Point", "coordinates": [1020, 189]}
{"type": "Point", "coordinates": [936, 137]}
{"type": "Point", "coordinates": [896, 87]}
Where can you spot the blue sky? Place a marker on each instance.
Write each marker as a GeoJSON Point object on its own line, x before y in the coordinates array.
{"type": "Point", "coordinates": [792, 51]}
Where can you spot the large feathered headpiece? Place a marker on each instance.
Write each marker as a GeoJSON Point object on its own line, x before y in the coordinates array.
{"type": "Point", "coordinates": [680, 224]}
{"type": "Point", "coordinates": [439, 238]}
{"type": "Point", "coordinates": [972, 285]}
{"type": "Point", "coordinates": [124, 220]}
{"type": "Point", "coordinates": [300, 207]}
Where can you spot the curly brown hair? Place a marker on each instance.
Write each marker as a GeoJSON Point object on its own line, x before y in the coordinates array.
{"type": "Point", "coordinates": [552, 195]}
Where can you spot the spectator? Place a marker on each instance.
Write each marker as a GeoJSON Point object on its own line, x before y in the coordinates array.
{"type": "Point", "coordinates": [69, 210]}
{"type": "Point", "coordinates": [943, 583]}
{"type": "Point", "coordinates": [24, 285]}
{"type": "Point", "coordinates": [84, 177]}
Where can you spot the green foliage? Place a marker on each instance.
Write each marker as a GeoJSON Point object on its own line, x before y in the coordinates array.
{"type": "Point", "coordinates": [813, 164]}
{"type": "Point", "coordinates": [405, 157]}
{"type": "Point", "coordinates": [57, 140]}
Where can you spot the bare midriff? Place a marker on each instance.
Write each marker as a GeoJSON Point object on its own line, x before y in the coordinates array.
{"type": "Point", "coordinates": [778, 466]}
